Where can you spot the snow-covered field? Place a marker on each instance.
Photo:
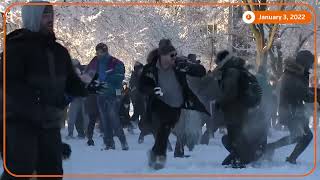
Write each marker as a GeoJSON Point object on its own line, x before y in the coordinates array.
{"type": "Point", "coordinates": [204, 159]}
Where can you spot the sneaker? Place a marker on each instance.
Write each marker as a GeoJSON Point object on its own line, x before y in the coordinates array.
{"type": "Point", "coordinates": [90, 142]}
{"type": "Point", "coordinates": [156, 161]}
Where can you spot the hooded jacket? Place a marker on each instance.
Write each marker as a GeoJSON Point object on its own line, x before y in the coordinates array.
{"type": "Point", "coordinates": [294, 90]}
{"type": "Point", "coordinates": [39, 73]}
{"type": "Point", "coordinates": [235, 112]}
{"type": "Point", "coordinates": [31, 17]}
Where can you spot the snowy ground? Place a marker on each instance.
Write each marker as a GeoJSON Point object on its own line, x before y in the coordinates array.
{"type": "Point", "coordinates": [204, 159]}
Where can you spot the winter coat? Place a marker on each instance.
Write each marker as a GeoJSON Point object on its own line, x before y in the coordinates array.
{"type": "Point", "coordinates": [39, 74]}
{"type": "Point", "coordinates": [115, 75]}
{"type": "Point", "coordinates": [294, 91]}
{"type": "Point", "coordinates": [234, 111]}
{"type": "Point", "coordinates": [138, 99]}
{"type": "Point", "coordinates": [149, 80]}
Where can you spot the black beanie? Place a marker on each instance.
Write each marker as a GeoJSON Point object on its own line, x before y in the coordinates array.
{"type": "Point", "coordinates": [165, 47]}
{"type": "Point", "coordinates": [221, 56]}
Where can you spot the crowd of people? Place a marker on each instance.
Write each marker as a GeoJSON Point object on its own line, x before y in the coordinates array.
{"type": "Point", "coordinates": [45, 88]}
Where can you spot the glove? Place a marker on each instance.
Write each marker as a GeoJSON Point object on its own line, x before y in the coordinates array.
{"type": "Point", "coordinates": [158, 91]}
{"type": "Point", "coordinates": [66, 151]}
{"type": "Point", "coordinates": [96, 87]}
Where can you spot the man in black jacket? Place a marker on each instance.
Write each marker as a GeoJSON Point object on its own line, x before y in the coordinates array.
{"type": "Point", "coordinates": [39, 75]}
{"type": "Point", "coordinates": [239, 117]}
{"type": "Point", "coordinates": [164, 81]}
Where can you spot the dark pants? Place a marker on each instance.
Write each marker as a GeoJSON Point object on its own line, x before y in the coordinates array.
{"type": "Point", "coordinates": [29, 150]}
{"type": "Point", "coordinates": [92, 111]}
{"type": "Point", "coordinates": [300, 133]}
{"type": "Point", "coordinates": [93, 117]}
{"type": "Point", "coordinates": [124, 115]}
{"type": "Point", "coordinates": [236, 143]}
{"type": "Point", "coordinates": [164, 120]}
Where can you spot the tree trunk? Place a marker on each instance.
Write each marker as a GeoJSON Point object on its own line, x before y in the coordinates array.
{"type": "Point", "coordinates": [261, 61]}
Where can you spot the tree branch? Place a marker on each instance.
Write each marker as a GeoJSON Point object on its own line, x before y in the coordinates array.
{"type": "Point", "coordinates": [273, 31]}
{"type": "Point", "coordinates": [239, 35]}
{"type": "Point", "coordinates": [271, 37]}
{"type": "Point", "coordinates": [71, 46]}
{"type": "Point", "coordinates": [289, 27]}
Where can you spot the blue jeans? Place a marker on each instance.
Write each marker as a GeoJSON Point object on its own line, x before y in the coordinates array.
{"type": "Point", "coordinates": [109, 112]}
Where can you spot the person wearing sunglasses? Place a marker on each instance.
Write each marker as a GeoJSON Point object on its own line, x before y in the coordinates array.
{"type": "Point", "coordinates": [167, 92]}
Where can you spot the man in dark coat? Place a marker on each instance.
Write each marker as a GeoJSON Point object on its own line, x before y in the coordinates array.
{"type": "Point", "coordinates": [294, 92]}
{"type": "Point", "coordinates": [164, 81]}
{"type": "Point", "coordinates": [236, 115]}
{"type": "Point", "coordinates": [138, 100]}
{"type": "Point", "coordinates": [39, 74]}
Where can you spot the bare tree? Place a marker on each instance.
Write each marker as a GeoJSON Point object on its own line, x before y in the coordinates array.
{"type": "Point", "coordinates": [263, 40]}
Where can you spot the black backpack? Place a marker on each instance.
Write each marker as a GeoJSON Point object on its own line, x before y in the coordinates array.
{"type": "Point", "coordinates": [250, 90]}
